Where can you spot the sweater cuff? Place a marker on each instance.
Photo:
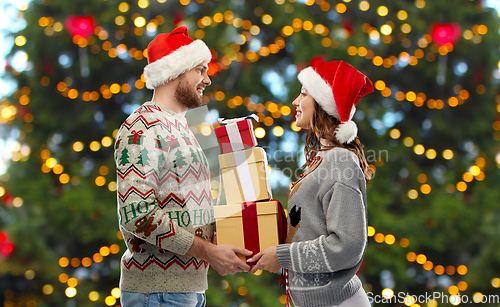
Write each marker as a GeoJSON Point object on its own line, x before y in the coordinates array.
{"type": "Point", "coordinates": [181, 243]}
{"type": "Point", "coordinates": [284, 256]}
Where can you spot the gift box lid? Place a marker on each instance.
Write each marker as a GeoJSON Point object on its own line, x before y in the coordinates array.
{"type": "Point", "coordinates": [252, 155]}
{"type": "Point", "coordinates": [242, 125]}
{"type": "Point", "coordinates": [263, 207]}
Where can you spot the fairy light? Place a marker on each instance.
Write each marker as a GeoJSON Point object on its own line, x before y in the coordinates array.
{"type": "Point", "coordinates": [395, 134]}
{"type": "Point", "coordinates": [64, 178]}
{"type": "Point", "coordinates": [95, 146]}
{"type": "Point", "coordinates": [419, 149]}
{"type": "Point", "coordinates": [260, 132]}
{"type": "Point", "coordinates": [364, 5]}
{"type": "Point", "coordinates": [462, 285]}
{"type": "Point", "coordinates": [48, 289]}
{"type": "Point", "coordinates": [94, 296]}
{"type": "Point", "coordinates": [70, 292]}
{"type": "Point", "coordinates": [448, 154]}
{"type": "Point", "coordinates": [412, 194]}
{"type": "Point", "coordinates": [110, 301]}
{"type": "Point", "coordinates": [278, 131]}
{"type": "Point", "coordinates": [406, 28]}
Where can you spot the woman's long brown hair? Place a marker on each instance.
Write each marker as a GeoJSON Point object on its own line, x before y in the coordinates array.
{"type": "Point", "coordinates": [323, 126]}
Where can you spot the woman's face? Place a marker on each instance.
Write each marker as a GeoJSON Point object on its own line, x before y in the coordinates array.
{"type": "Point", "coordinates": [304, 105]}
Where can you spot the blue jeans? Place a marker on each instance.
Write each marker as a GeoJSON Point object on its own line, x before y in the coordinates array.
{"type": "Point", "coordinates": [165, 299]}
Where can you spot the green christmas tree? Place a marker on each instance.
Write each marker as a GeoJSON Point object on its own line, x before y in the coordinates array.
{"type": "Point", "coordinates": [194, 156]}
{"type": "Point", "coordinates": [180, 160]}
{"type": "Point", "coordinates": [124, 157]}
{"type": "Point", "coordinates": [143, 157]}
{"type": "Point", "coordinates": [430, 132]}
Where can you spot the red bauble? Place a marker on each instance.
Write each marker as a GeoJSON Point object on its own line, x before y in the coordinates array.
{"type": "Point", "coordinates": [317, 61]}
{"type": "Point", "coordinates": [178, 18]}
{"type": "Point", "coordinates": [447, 33]}
{"type": "Point", "coordinates": [6, 249]}
{"type": "Point", "coordinates": [213, 68]}
{"type": "Point", "coordinates": [7, 199]}
{"type": "Point", "coordinates": [347, 25]}
{"type": "Point", "coordinates": [82, 26]}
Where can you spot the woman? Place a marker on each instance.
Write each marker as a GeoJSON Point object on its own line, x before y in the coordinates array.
{"type": "Point", "coordinates": [327, 230]}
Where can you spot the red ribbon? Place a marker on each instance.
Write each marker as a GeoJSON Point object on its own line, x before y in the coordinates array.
{"type": "Point", "coordinates": [250, 227]}
{"type": "Point", "coordinates": [282, 223]}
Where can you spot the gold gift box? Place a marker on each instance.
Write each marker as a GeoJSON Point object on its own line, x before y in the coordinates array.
{"type": "Point", "coordinates": [229, 225]}
{"type": "Point", "coordinates": [244, 176]}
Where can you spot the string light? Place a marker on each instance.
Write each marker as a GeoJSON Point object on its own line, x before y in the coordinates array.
{"type": "Point", "coordinates": [453, 101]}
{"type": "Point", "coordinates": [364, 5]}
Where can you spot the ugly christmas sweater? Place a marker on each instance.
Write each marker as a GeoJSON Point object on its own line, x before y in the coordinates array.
{"type": "Point", "coordinates": [164, 200]}
{"type": "Point", "coordinates": [327, 231]}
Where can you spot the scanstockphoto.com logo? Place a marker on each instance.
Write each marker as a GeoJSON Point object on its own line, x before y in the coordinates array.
{"type": "Point", "coordinates": [431, 298]}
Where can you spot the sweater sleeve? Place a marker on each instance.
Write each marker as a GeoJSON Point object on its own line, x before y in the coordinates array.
{"type": "Point", "coordinates": [345, 243]}
{"type": "Point", "coordinates": [137, 162]}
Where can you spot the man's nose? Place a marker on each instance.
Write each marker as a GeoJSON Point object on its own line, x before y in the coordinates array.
{"type": "Point", "coordinates": [206, 80]}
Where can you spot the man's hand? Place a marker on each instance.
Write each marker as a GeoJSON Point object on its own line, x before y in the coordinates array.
{"type": "Point", "coordinates": [222, 257]}
{"type": "Point", "coordinates": [266, 260]}
{"type": "Point", "coordinates": [224, 260]}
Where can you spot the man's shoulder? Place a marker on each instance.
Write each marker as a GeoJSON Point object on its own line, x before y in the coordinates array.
{"type": "Point", "coordinates": [150, 115]}
{"type": "Point", "coordinates": [145, 111]}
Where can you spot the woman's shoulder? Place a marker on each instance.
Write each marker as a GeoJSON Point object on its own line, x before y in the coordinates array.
{"type": "Point", "coordinates": [340, 156]}
{"type": "Point", "coordinates": [341, 165]}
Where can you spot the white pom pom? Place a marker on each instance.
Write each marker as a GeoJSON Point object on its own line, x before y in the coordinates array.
{"type": "Point", "coordinates": [346, 132]}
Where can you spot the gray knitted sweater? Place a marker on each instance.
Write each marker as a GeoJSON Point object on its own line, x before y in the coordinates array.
{"type": "Point", "coordinates": [327, 231]}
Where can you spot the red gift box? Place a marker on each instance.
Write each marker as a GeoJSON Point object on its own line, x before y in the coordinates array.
{"type": "Point", "coordinates": [236, 136]}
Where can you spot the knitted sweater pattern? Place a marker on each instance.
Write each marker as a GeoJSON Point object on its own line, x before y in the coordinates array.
{"type": "Point", "coordinates": [327, 231]}
{"type": "Point", "coordinates": [164, 200]}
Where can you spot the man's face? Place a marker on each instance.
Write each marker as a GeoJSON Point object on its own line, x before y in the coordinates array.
{"type": "Point", "coordinates": [189, 91]}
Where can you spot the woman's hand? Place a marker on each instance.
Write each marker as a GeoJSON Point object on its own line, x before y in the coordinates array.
{"type": "Point", "coordinates": [266, 260]}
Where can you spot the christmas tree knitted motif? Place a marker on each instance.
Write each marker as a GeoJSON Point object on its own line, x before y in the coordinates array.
{"type": "Point", "coordinates": [124, 157]}
{"type": "Point", "coordinates": [143, 157]}
{"type": "Point", "coordinates": [164, 200]}
{"type": "Point", "coordinates": [179, 159]}
{"type": "Point", "coordinates": [193, 156]}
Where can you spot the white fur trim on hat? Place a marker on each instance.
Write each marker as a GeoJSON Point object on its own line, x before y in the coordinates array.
{"type": "Point", "coordinates": [319, 90]}
{"type": "Point", "coordinates": [176, 63]}
{"type": "Point", "coordinates": [346, 132]}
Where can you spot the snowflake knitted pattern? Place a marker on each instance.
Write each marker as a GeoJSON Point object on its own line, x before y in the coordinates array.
{"type": "Point", "coordinates": [164, 200]}
{"type": "Point", "coordinates": [327, 231]}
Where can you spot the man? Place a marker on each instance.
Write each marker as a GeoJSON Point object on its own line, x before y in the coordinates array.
{"type": "Point", "coordinates": [164, 196]}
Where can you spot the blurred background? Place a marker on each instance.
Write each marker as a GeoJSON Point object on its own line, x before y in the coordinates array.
{"type": "Point", "coordinates": [71, 72]}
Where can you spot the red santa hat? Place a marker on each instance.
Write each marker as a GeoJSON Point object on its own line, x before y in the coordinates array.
{"type": "Point", "coordinates": [337, 87]}
{"type": "Point", "coordinates": [172, 54]}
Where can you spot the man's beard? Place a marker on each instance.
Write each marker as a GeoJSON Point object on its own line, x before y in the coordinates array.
{"type": "Point", "coordinates": [187, 96]}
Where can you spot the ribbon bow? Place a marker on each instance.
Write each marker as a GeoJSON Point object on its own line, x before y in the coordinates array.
{"type": "Point", "coordinates": [234, 120]}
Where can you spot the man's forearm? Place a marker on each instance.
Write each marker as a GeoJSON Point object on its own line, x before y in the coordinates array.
{"type": "Point", "coordinates": [200, 248]}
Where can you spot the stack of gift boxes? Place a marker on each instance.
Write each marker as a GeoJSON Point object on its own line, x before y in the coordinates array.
{"type": "Point", "coordinates": [251, 219]}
